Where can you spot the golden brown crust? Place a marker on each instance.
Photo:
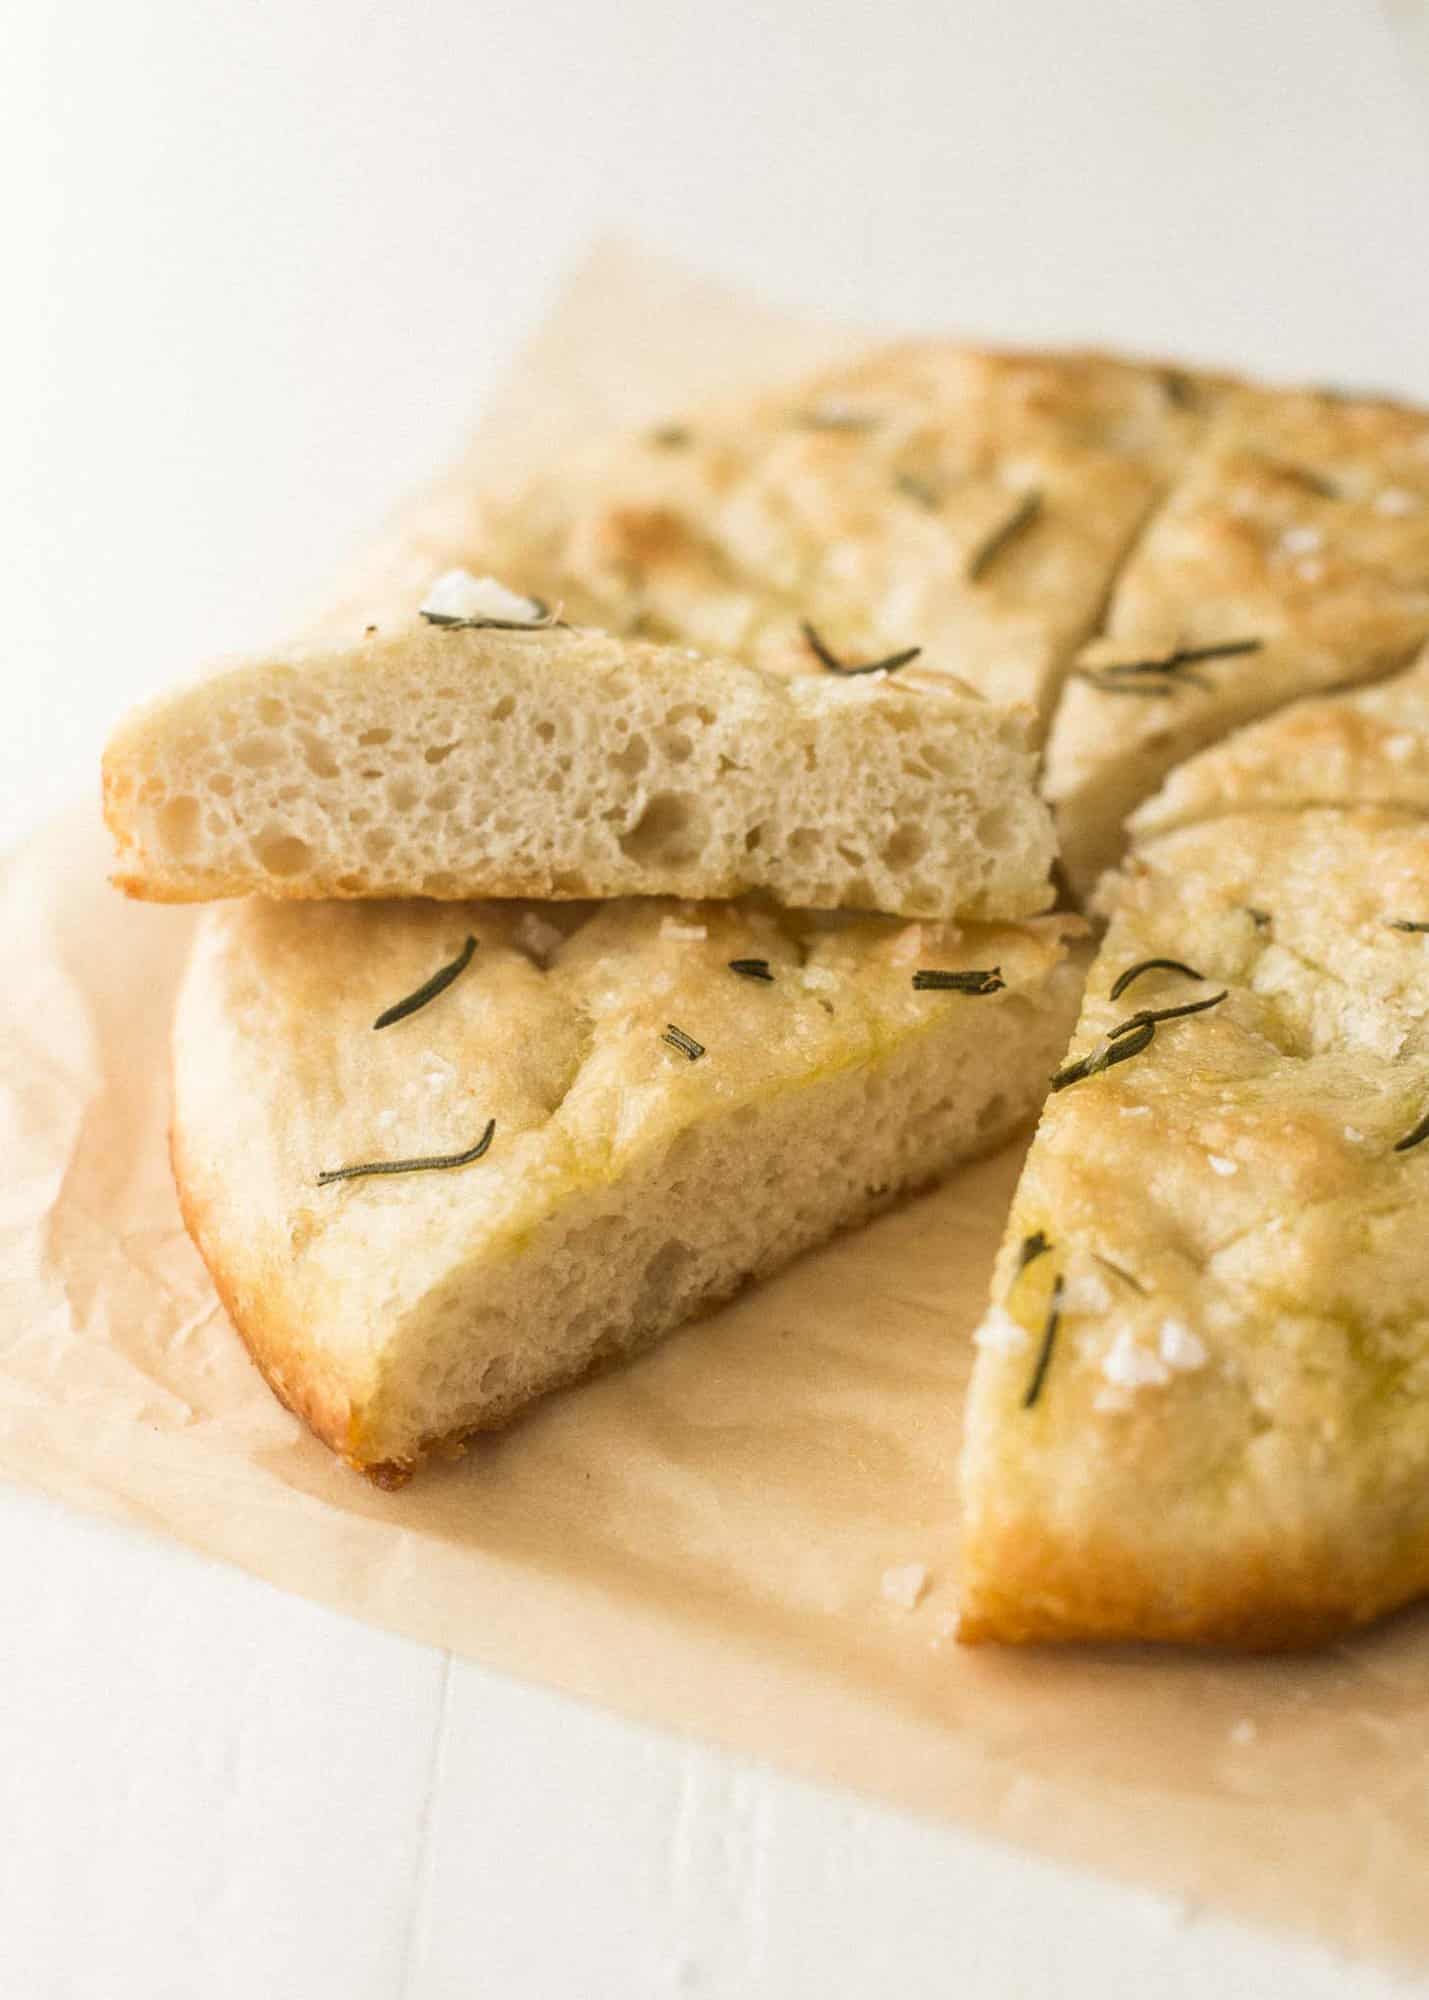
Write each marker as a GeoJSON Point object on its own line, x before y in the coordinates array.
{"type": "Point", "coordinates": [1230, 1441]}
{"type": "Point", "coordinates": [1301, 526]}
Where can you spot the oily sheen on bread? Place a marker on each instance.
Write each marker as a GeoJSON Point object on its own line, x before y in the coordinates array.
{"type": "Point", "coordinates": [1291, 557]}
{"type": "Point", "coordinates": [650, 1104]}
{"type": "Point", "coordinates": [567, 764]}
{"type": "Point", "coordinates": [1200, 1409]}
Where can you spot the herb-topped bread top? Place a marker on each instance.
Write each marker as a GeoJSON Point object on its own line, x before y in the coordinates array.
{"type": "Point", "coordinates": [1291, 556]}
{"type": "Point", "coordinates": [973, 504]}
{"type": "Point", "coordinates": [1201, 1412]}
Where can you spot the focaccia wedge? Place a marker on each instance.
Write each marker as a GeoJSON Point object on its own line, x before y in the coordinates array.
{"type": "Point", "coordinates": [440, 760]}
{"type": "Point", "coordinates": [1200, 1407]}
{"type": "Point", "coordinates": [1291, 557]}
{"type": "Point", "coordinates": [603, 1120]}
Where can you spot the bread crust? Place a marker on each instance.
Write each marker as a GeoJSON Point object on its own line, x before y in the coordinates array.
{"type": "Point", "coordinates": [1230, 1442]}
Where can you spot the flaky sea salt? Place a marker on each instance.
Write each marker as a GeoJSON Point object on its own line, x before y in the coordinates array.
{"type": "Point", "coordinates": [1180, 1348]}
{"type": "Point", "coordinates": [904, 1585]}
{"type": "Point", "coordinates": [999, 1332]}
{"type": "Point", "coordinates": [681, 933]}
{"type": "Point", "coordinates": [456, 593]}
{"type": "Point", "coordinates": [1397, 500]}
{"type": "Point", "coordinates": [1219, 1164]}
{"type": "Point", "coordinates": [1126, 1365]}
{"type": "Point", "coordinates": [1302, 541]}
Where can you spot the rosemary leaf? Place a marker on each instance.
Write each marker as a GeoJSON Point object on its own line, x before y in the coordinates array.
{"type": "Point", "coordinates": [752, 968]}
{"type": "Point", "coordinates": [1155, 1014]}
{"type": "Point", "coordinates": [922, 491]}
{"type": "Point", "coordinates": [544, 619]}
{"type": "Point", "coordinates": [1018, 521]}
{"type": "Point", "coordinates": [1033, 1247]}
{"type": "Point", "coordinates": [686, 1044]}
{"type": "Point", "coordinates": [1407, 924]}
{"type": "Point", "coordinates": [1141, 1036]}
{"type": "Point", "coordinates": [1260, 918]}
{"type": "Point", "coordinates": [671, 437]}
{"type": "Point", "coordinates": [438, 983]}
{"type": "Point", "coordinates": [930, 981]}
{"type": "Point", "coordinates": [1134, 972]}
{"type": "Point", "coordinates": [1117, 1272]}
{"type": "Point", "coordinates": [1049, 1336]}
{"type": "Point", "coordinates": [429, 1163]}
{"type": "Point", "coordinates": [837, 666]}
{"type": "Point", "coordinates": [1166, 671]}
{"type": "Point", "coordinates": [1414, 1138]}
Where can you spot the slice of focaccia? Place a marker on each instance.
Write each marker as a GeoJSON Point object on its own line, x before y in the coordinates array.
{"type": "Point", "coordinates": [449, 763]}
{"type": "Point", "coordinates": [974, 504]}
{"type": "Point", "coordinates": [590, 1124]}
{"type": "Point", "coordinates": [1366, 748]}
{"type": "Point", "coordinates": [1200, 1409]}
{"type": "Point", "coordinates": [1291, 558]}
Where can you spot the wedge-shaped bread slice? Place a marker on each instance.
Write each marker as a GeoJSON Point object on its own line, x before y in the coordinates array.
{"type": "Point", "coordinates": [1292, 558]}
{"type": "Point", "coordinates": [1366, 748]}
{"type": "Point", "coordinates": [976, 504]}
{"type": "Point", "coordinates": [610, 1119]}
{"type": "Point", "coordinates": [451, 763]}
{"type": "Point", "coordinates": [1200, 1409]}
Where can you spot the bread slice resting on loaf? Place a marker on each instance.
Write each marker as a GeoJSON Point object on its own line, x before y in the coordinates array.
{"type": "Point", "coordinates": [647, 1104]}
{"type": "Point", "coordinates": [1200, 1407]}
{"type": "Point", "coordinates": [451, 763]}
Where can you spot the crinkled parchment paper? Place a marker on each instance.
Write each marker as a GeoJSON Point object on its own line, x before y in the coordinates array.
{"type": "Point", "coordinates": [702, 1538]}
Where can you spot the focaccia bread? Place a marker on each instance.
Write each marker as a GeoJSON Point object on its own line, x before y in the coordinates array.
{"type": "Point", "coordinates": [606, 1120]}
{"type": "Point", "coordinates": [1366, 748]}
{"type": "Point", "coordinates": [432, 761]}
{"type": "Point", "coordinates": [976, 504]}
{"type": "Point", "coordinates": [1200, 1407]}
{"type": "Point", "coordinates": [1291, 557]}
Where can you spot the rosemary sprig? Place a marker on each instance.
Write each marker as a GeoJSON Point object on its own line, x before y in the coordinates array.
{"type": "Point", "coordinates": [752, 968]}
{"type": "Point", "coordinates": [429, 1163]}
{"type": "Point", "coordinates": [1033, 1247]}
{"type": "Point", "coordinates": [686, 1044]}
{"type": "Point", "coordinates": [931, 981]}
{"type": "Point", "coordinates": [438, 983]}
{"type": "Point", "coordinates": [1134, 972]}
{"type": "Point", "coordinates": [1049, 1337]}
{"type": "Point", "coordinates": [1162, 675]}
{"type": "Point", "coordinates": [835, 665]}
{"type": "Point", "coordinates": [1129, 1038]}
{"type": "Point", "coordinates": [1407, 924]}
{"type": "Point", "coordinates": [671, 437]}
{"type": "Point", "coordinates": [1142, 1034]}
{"type": "Point", "coordinates": [1414, 1138]}
{"type": "Point", "coordinates": [1016, 523]}
{"type": "Point", "coordinates": [1155, 1014]}
{"type": "Point", "coordinates": [545, 618]}
{"type": "Point", "coordinates": [923, 491]}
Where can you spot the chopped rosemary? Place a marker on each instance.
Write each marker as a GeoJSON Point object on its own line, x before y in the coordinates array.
{"type": "Point", "coordinates": [1033, 1247]}
{"type": "Point", "coordinates": [671, 437]}
{"type": "Point", "coordinates": [1155, 1014]}
{"type": "Point", "coordinates": [438, 983]}
{"type": "Point", "coordinates": [686, 1044]}
{"type": "Point", "coordinates": [923, 491]}
{"type": "Point", "coordinates": [1260, 918]}
{"type": "Point", "coordinates": [1117, 1050]}
{"type": "Point", "coordinates": [1134, 972]}
{"type": "Point", "coordinates": [1414, 1138]}
{"type": "Point", "coordinates": [1180, 389]}
{"type": "Point", "coordinates": [368, 631]}
{"type": "Point", "coordinates": [1049, 1336]}
{"type": "Point", "coordinates": [1301, 475]}
{"type": "Point", "coordinates": [837, 666]}
{"type": "Point", "coordinates": [1020, 519]}
{"type": "Point", "coordinates": [543, 620]}
{"type": "Point", "coordinates": [1407, 924]}
{"type": "Point", "coordinates": [1162, 675]}
{"type": "Point", "coordinates": [988, 981]}
{"type": "Point", "coordinates": [430, 1163]}
{"type": "Point", "coordinates": [752, 968]}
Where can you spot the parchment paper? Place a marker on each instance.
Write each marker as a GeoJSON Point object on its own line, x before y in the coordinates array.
{"type": "Point", "coordinates": [699, 1539]}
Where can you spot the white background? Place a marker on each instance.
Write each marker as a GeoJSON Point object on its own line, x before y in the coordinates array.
{"type": "Point", "coordinates": [260, 262]}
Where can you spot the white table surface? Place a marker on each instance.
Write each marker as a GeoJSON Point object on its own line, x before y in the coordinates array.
{"type": "Point", "coordinates": [261, 261]}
